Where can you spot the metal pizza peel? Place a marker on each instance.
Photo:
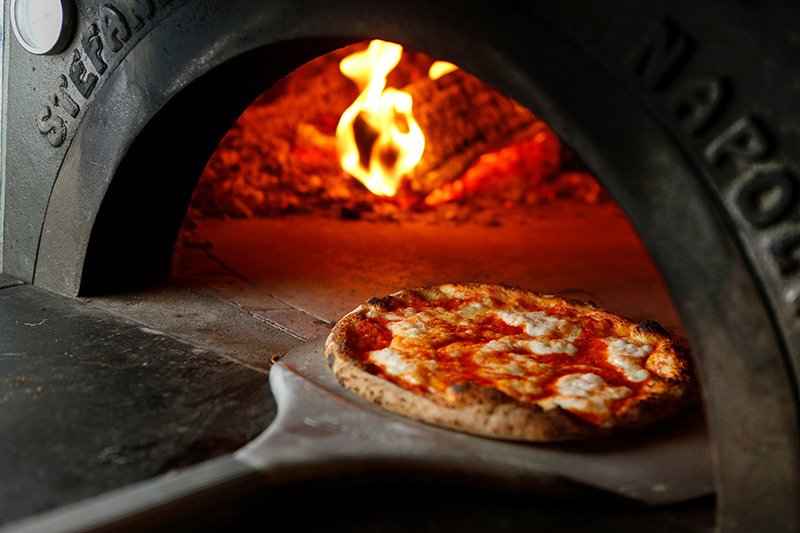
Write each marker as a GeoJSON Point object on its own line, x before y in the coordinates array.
{"type": "Point", "coordinates": [324, 431]}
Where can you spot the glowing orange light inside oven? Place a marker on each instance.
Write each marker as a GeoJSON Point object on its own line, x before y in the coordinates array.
{"type": "Point", "coordinates": [377, 139]}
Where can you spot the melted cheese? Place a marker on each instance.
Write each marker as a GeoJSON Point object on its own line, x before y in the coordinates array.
{"type": "Point", "coordinates": [510, 366]}
{"type": "Point", "coordinates": [539, 324]}
{"type": "Point", "coordinates": [452, 291]}
{"type": "Point", "coordinates": [548, 346]}
{"type": "Point", "coordinates": [530, 346]}
{"type": "Point", "coordinates": [629, 357]}
{"type": "Point", "coordinates": [471, 310]}
{"type": "Point", "coordinates": [395, 364]}
{"type": "Point", "coordinates": [587, 393]}
{"type": "Point", "coordinates": [521, 387]}
{"type": "Point", "coordinates": [409, 328]}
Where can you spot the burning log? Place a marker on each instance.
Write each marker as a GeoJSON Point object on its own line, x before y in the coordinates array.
{"type": "Point", "coordinates": [522, 166]}
{"type": "Point", "coordinates": [462, 118]}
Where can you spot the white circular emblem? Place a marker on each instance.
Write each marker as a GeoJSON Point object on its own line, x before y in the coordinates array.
{"type": "Point", "coordinates": [43, 26]}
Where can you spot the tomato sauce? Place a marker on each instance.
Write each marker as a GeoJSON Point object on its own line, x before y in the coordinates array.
{"type": "Point", "coordinates": [370, 334]}
{"type": "Point", "coordinates": [439, 369]}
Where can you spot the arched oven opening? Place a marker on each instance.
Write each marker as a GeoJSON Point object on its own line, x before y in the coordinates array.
{"type": "Point", "coordinates": [276, 225]}
{"type": "Point", "coordinates": [283, 229]}
{"type": "Point", "coordinates": [155, 165]}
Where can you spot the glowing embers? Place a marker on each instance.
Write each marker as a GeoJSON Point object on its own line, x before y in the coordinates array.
{"type": "Point", "coordinates": [377, 139]}
{"type": "Point", "coordinates": [523, 166]}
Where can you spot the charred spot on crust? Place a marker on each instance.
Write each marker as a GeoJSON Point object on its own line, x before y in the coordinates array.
{"type": "Point", "coordinates": [384, 303]}
{"type": "Point", "coordinates": [576, 302]}
{"type": "Point", "coordinates": [372, 369]}
{"type": "Point", "coordinates": [458, 393]}
{"type": "Point", "coordinates": [651, 326]}
{"type": "Point", "coordinates": [461, 388]}
{"type": "Point", "coordinates": [496, 396]}
{"type": "Point", "coordinates": [467, 391]}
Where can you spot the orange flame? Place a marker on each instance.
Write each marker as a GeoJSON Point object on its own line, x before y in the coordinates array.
{"type": "Point", "coordinates": [377, 139]}
{"type": "Point", "coordinates": [440, 68]}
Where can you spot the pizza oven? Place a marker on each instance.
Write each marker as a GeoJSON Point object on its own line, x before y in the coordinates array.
{"type": "Point", "coordinates": [638, 156]}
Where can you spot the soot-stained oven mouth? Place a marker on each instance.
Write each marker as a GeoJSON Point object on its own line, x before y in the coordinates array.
{"type": "Point", "coordinates": [686, 126]}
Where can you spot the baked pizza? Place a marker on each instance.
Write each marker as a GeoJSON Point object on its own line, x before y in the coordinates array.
{"type": "Point", "coordinates": [510, 363]}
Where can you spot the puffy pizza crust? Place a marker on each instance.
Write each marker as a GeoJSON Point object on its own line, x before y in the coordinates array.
{"type": "Point", "coordinates": [669, 389]}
